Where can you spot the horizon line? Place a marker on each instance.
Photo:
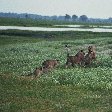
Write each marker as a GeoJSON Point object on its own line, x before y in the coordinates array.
{"type": "Point", "coordinates": [54, 15]}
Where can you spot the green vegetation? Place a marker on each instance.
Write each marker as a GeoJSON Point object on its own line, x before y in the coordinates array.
{"type": "Point", "coordinates": [42, 95]}
{"type": "Point", "coordinates": [74, 89]}
{"type": "Point", "coordinates": [29, 22]}
{"type": "Point", "coordinates": [23, 22]}
{"type": "Point", "coordinates": [41, 23]}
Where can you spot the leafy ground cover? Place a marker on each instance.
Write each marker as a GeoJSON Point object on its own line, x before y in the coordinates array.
{"type": "Point", "coordinates": [74, 89]}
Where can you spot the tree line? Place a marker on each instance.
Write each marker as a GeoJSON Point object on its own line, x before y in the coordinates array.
{"type": "Point", "coordinates": [66, 17]}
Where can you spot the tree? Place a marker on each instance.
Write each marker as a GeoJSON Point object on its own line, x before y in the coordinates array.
{"type": "Point", "coordinates": [110, 19]}
{"type": "Point", "coordinates": [74, 17]}
{"type": "Point", "coordinates": [26, 16]}
{"type": "Point", "coordinates": [83, 18]}
{"type": "Point", "coordinates": [67, 17]}
{"type": "Point", "coordinates": [54, 17]}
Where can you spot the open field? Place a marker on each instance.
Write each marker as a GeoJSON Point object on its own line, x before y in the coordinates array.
{"type": "Point", "coordinates": [74, 89]}
{"type": "Point", "coordinates": [43, 23]}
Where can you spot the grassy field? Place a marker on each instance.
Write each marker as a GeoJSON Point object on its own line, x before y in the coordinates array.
{"type": "Point", "coordinates": [74, 89]}
{"type": "Point", "coordinates": [43, 23]}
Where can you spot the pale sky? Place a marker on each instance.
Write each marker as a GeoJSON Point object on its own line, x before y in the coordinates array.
{"type": "Point", "coordinates": [91, 8]}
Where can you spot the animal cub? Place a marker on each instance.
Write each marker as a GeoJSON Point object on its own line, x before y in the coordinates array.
{"type": "Point", "coordinates": [77, 59]}
{"type": "Point", "coordinates": [90, 56]}
{"type": "Point", "coordinates": [49, 64]}
{"type": "Point", "coordinates": [38, 71]}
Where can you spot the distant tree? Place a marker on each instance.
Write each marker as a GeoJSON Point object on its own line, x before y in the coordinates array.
{"type": "Point", "coordinates": [61, 17]}
{"type": "Point", "coordinates": [54, 17]}
{"type": "Point", "coordinates": [83, 18]}
{"type": "Point", "coordinates": [67, 17]}
{"type": "Point", "coordinates": [74, 17]}
{"type": "Point", "coordinates": [26, 16]}
{"type": "Point", "coordinates": [110, 19]}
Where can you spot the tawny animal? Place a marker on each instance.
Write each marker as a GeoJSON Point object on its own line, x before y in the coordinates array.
{"type": "Point", "coordinates": [49, 64]}
{"type": "Point", "coordinates": [90, 56]}
{"type": "Point", "coordinates": [38, 71]}
{"type": "Point", "coordinates": [77, 59]}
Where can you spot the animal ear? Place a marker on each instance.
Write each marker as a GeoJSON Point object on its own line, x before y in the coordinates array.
{"type": "Point", "coordinates": [41, 68]}
{"type": "Point", "coordinates": [66, 45]}
{"type": "Point", "coordinates": [89, 47]}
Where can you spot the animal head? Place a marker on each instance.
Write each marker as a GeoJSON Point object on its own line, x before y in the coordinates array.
{"type": "Point", "coordinates": [91, 52]}
{"type": "Point", "coordinates": [58, 61]}
{"type": "Point", "coordinates": [89, 58]}
{"type": "Point", "coordinates": [40, 68]}
{"type": "Point", "coordinates": [91, 49]}
{"type": "Point", "coordinates": [38, 71]}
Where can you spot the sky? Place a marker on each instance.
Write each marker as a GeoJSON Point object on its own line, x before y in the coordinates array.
{"type": "Point", "coordinates": [91, 8]}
